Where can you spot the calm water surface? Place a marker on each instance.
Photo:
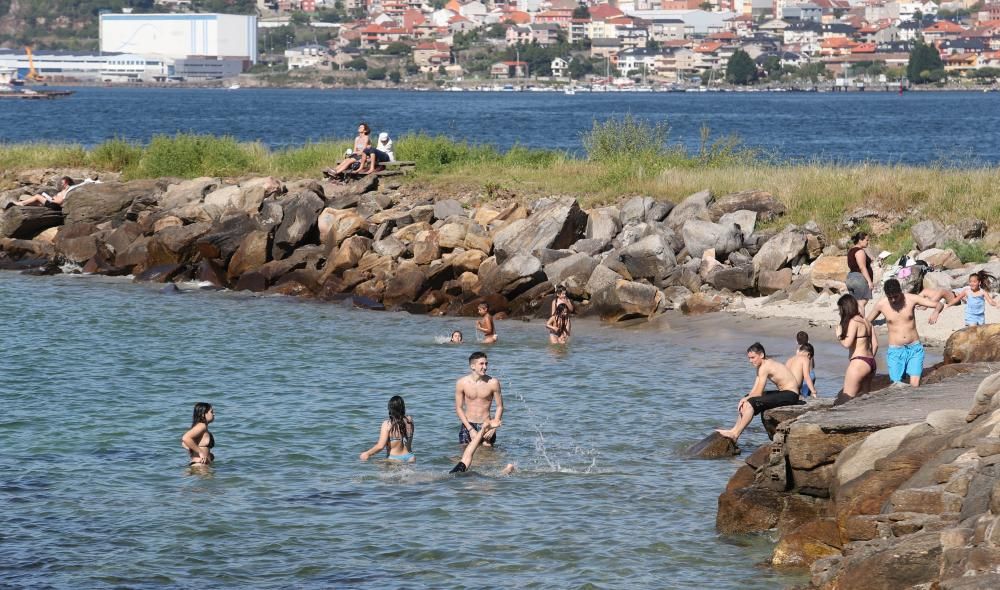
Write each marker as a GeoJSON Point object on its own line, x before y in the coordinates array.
{"type": "Point", "coordinates": [915, 128]}
{"type": "Point", "coordinates": [99, 377]}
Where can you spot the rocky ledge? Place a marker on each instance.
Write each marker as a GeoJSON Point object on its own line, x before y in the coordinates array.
{"type": "Point", "coordinates": [897, 489]}
{"type": "Point", "coordinates": [389, 248]}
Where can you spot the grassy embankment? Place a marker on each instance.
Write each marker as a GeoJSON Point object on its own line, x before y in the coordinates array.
{"type": "Point", "coordinates": [613, 168]}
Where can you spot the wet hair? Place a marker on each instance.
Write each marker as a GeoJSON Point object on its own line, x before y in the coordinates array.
{"type": "Point", "coordinates": [561, 308]}
{"type": "Point", "coordinates": [484, 304]}
{"type": "Point", "coordinates": [200, 409]}
{"type": "Point", "coordinates": [476, 356]}
{"type": "Point", "coordinates": [848, 307]}
{"type": "Point", "coordinates": [807, 348]}
{"type": "Point", "coordinates": [459, 332]}
{"type": "Point", "coordinates": [858, 237]}
{"type": "Point", "coordinates": [398, 422]}
{"type": "Point", "coordinates": [66, 180]}
{"type": "Point", "coordinates": [757, 348]}
{"type": "Point", "coordinates": [986, 280]}
{"type": "Point", "coordinates": [368, 130]}
{"type": "Point", "coordinates": [802, 338]}
{"type": "Point", "coordinates": [894, 293]}
{"type": "Point", "coordinates": [560, 289]}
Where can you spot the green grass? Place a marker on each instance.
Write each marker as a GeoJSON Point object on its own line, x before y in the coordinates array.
{"type": "Point", "coordinates": [624, 157]}
{"type": "Point", "coordinates": [967, 251]}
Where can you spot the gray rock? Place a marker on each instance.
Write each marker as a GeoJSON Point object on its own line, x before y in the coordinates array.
{"type": "Point", "coordinates": [763, 203]}
{"type": "Point", "coordinates": [658, 211]}
{"type": "Point", "coordinates": [547, 255]}
{"type": "Point", "coordinates": [650, 258]}
{"type": "Point", "coordinates": [572, 271]}
{"type": "Point", "coordinates": [390, 246]}
{"type": "Point", "coordinates": [100, 202]}
{"type": "Point", "coordinates": [734, 279]}
{"type": "Point", "coordinates": [634, 210]}
{"type": "Point", "coordinates": [603, 225]}
{"type": "Point", "coordinates": [601, 289]}
{"type": "Point", "coordinates": [299, 224]}
{"type": "Point", "coordinates": [704, 235]}
{"type": "Point", "coordinates": [514, 276]}
{"type": "Point", "coordinates": [713, 446]}
{"type": "Point", "coordinates": [445, 208]}
{"type": "Point", "coordinates": [938, 258]}
{"type": "Point", "coordinates": [676, 295]}
{"type": "Point", "coordinates": [693, 207]}
{"type": "Point", "coordinates": [926, 234]}
{"type": "Point", "coordinates": [590, 247]}
{"type": "Point", "coordinates": [557, 224]}
{"type": "Point", "coordinates": [779, 251]}
{"type": "Point", "coordinates": [636, 300]}
{"type": "Point", "coordinates": [187, 192]}
{"type": "Point", "coordinates": [971, 229]}
{"type": "Point", "coordinates": [739, 258]}
{"type": "Point", "coordinates": [25, 223]}
{"type": "Point", "coordinates": [745, 219]}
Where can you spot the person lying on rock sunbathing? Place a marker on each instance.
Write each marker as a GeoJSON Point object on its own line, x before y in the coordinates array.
{"type": "Point", "coordinates": [758, 400]}
{"type": "Point", "coordinates": [44, 200]}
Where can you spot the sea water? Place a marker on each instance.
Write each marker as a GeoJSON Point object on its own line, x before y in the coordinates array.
{"type": "Point", "coordinates": [98, 378]}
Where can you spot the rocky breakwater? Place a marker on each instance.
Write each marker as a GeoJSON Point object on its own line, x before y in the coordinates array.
{"type": "Point", "coordinates": [897, 489]}
{"type": "Point", "coordinates": [424, 253]}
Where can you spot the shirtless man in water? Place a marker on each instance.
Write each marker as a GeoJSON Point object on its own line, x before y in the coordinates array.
{"type": "Point", "coordinates": [759, 400]}
{"type": "Point", "coordinates": [474, 394]}
{"type": "Point", "coordinates": [905, 354]}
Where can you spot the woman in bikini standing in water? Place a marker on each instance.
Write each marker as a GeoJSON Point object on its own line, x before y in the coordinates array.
{"type": "Point", "coordinates": [397, 433]}
{"type": "Point", "coordinates": [198, 440]}
{"type": "Point", "coordinates": [855, 333]}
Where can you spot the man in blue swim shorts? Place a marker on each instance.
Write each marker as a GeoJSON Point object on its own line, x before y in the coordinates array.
{"type": "Point", "coordinates": [905, 355]}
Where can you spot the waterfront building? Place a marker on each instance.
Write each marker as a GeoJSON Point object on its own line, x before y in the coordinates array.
{"type": "Point", "coordinates": [57, 65]}
{"type": "Point", "coordinates": [179, 36]}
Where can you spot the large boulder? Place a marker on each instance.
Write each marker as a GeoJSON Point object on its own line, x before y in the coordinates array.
{"type": "Point", "coordinates": [225, 237]}
{"type": "Point", "coordinates": [650, 258]}
{"type": "Point", "coordinates": [779, 251]}
{"type": "Point", "coordinates": [926, 234]}
{"type": "Point", "coordinates": [404, 287]}
{"type": "Point", "coordinates": [746, 220]}
{"type": "Point", "coordinates": [636, 300]}
{"type": "Point", "coordinates": [445, 208]}
{"type": "Point", "coordinates": [101, 201]}
{"type": "Point", "coordinates": [601, 290]}
{"type": "Point", "coordinates": [938, 258]}
{"type": "Point", "coordinates": [762, 203]}
{"type": "Point", "coordinates": [557, 224]}
{"type": "Point", "coordinates": [713, 446]}
{"type": "Point", "coordinates": [773, 281]}
{"type": "Point", "coordinates": [251, 254]}
{"type": "Point", "coordinates": [187, 192]}
{"type": "Point", "coordinates": [348, 254]}
{"type": "Point", "coordinates": [514, 276]}
{"type": "Point", "coordinates": [573, 272]}
{"type": "Point", "coordinates": [247, 196]}
{"type": "Point", "coordinates": [452, 235]}
{"type": "Point", "coordinates": [973, 344]}
{"type": "Point", "coordinates": [175, 244]}
{"type": "Point", "coordinates": [830, 272]}
{"type": "Point", "coordinates": [634, 210]}
{"type": "Point", "coordinates": [299, 224]}
{"type": "Point", "coordinates": [336, 225]}
{"type": "Point", "coordinates": [23, 223]}
{"type": "Point", "coordinates": [603, 225]}
{"type": "Point", "coordinates": [738, 278]}
{"type": "Point", "coordinates": [75, 242]}
{"type": "Point", "coordinates": [693, 207]}
{"type": "Point", "coordinates": [704, 235]}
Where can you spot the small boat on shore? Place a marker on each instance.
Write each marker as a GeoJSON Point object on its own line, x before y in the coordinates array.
{"type": "Point", "coordinates": [10, 92]}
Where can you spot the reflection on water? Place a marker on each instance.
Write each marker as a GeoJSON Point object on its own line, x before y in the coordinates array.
{"type": "Point", "coordinates": [94, 483]}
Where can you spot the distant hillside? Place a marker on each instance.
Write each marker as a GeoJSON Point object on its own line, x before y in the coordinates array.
{"type": "Point", "coordinates": [72, 24]}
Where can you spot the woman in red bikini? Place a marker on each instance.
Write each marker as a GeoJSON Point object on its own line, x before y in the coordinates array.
{"type": "Point", "coordinates": [855, 333]}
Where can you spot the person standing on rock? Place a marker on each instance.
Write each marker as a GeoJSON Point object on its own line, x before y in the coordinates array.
{"type": "Point", "coordinates": [474, 396]}
{"type": "Point", "coordinates": [905, 355]}
{"type": "Point", "coordinates": [758, 400]}
{"type": "Point", "coordinates": [860, 280]}
{"type": "Point", "coordinates": [485, 324]}
{"type": "Point", "coordinates": [856, 335]}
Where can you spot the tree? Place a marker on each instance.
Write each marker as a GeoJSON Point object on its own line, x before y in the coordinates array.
{"type": "Point", "coordinates": [496, 31]}
{"type": "Point", "coordinates": [375, 74]}
{"type": "Point", "coordinates": [397, 48]}
{"type": "Point", "coordinates": [358, 63]}
{"type": "Point", "coordinates": [652, 45]}
{"type": "Point", "coordinates": [395, 77]}
{"type": "Point", "coordinates": [299, 19]}
{"type": "Point", "coordinates": [580, 67]}
{"type": "Point", "coordinates": [741, 69]}
{"type": "Point", "coordinates": [812, 72]}
{"type": "Point", "coordinates": [925, 64]}
{"type": "Point", "coordinates": [772, 65]}
{"type": "Point", "coordinates": [581, 12]}
{"type": "Point", "coordinates": [706, 6]}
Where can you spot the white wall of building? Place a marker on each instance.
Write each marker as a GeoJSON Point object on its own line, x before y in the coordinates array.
{"type": "Point", "coordinates": [180, 35]}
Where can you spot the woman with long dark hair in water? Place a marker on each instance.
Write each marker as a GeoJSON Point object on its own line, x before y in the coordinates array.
{"type": "Point", "coordinates": [855, 333]}
{"type": "Point", "coordinates": [396, 434]}
{"type": "Point", "coordinates": [198, 440]}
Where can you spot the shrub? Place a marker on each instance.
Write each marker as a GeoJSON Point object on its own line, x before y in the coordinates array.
{"type": "Point", "coordinates": [626, 138]}
{"type": "Point", "coordinates": [967, 251]}
{"type": "Point", "coordinates": [188, 156]}
{"type": "Point", "coordinates": [116, 154]}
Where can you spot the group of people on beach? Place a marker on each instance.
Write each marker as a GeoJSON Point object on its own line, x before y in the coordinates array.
{"type": "Point", "coordinates": [363, 158]}
{"type": "Point", "coordinates": [476, 394]}
{"type": "Point", "coordinates": [855, 332]}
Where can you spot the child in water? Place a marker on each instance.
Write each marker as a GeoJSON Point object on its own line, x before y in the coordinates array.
{"type": "Point", "coordinates": [976, 295]}
{"type": "Point", "coordinates": [559, 325]}
{"type": "Point", "coordinates": [485, 325]}
{"type": "Point", "coordinates": [396, 434]}
{"type": "Point", "coordinates": [198, 440]}
{"type": "Point", "coordinates": [456, 337]}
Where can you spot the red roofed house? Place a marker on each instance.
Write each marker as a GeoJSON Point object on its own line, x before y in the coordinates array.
{"type": "Point", "coordinates": [941, 30]}
{"type": "Point", "coordinates": [428, 55]}
{"type": "Point", "coordinates": [603, 12]}
{"type": "Point", "coordinates": [509, 69]}
{"type": "Point", "coordinates": [374, 36]}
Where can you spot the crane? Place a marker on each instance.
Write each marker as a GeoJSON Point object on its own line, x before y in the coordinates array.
{"type": "Point", "coordinates": [33, 74]}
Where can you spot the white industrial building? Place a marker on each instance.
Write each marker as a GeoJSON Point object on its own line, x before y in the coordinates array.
{"type": "Point", "coordinates": [57, 65]}
{"type": "Point", "coordinates": [179, 36]}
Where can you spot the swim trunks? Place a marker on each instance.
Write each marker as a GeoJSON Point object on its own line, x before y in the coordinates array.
{"type": "Point", "coordinates": [465, 438]}
{"type": "Point", "coordinates": [460, 468]}
{"type": "Point", "coordinates": [804, 388]}
{"type": "Point", "coordinates": [774, 399]}
{"type": "Point", "coordinates": [905, 360]}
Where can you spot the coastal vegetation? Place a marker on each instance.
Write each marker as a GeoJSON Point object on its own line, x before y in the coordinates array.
{"type": "Point", "coordinates": [621, 158]}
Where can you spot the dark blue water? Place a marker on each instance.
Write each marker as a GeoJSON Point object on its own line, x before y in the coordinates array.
{"type": "Point", "coordinates": [956, 128]}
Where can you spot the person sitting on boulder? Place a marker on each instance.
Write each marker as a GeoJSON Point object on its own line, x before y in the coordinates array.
{"type": "Point", "coordinates": [758, 400]}
{"type": "Point", "coordinates": [45, 200]}
{"type": "Point", "coordinates": [357, 156]}
{"type": "Point", "coordinates": [379, 154]}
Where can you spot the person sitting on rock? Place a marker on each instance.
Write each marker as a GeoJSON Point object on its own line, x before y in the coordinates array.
{"type": "Point", "coordinates": [379, 154]}
{"type": "Point", "coordinates": [357, 156]}
{"type": "Point", "coordinates": [758, 400]}
{"type": "Point", "coordinates": [45, 200]}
